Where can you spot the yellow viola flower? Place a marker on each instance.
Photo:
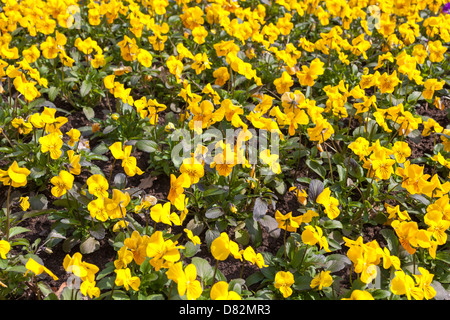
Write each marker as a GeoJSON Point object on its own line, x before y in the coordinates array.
{"type": "Point", "coordinates": [195, 239]}
{"type": "Point", "coordinates": [86, 46]}
{"type": "Point", "coordinates": [98, 61]}
{"type": "Point", "coordinates": [97, 209]}
{"type": "Point", "coordinates": [158, 41]}
{"type": "Point", "coordinates": [149, 109]}
{"type": "Point", "coordinates": [52, 123]}
{"type": "Point", "coordinates": [36, 120]}
{"type": "Point", "coordinates": [387, 83]}
{"type": "Point", "coordinates": [388, 259]}
{"type": "Point", "coordinates": [219, 291]}
{"type": "Point", "coordinates": [137, 244]}
{"type": "Point", "coordinates": [224, 162]}
{"type": "Point", "coordinates": [308, 75]}
{"type": "Point", "coordinates": [50, 48]}
{"type": "Point", "coordinates": [74, 166]}
{"type": "Point", "coordinates": [222, 247]}
{"type": "Point", "coordinates": [283, 282]}
{"type": "Point", "coordinates": [129, 163]}
{"type": "Point", "coordinates": [80, 268]}
{"type": "Point", "coordinates": [420, 53]}
{"type": "Point", "coordinates": [359, 295]}
{"type": "Point", "coordinates": [124, 278]}
{"type": "Point", "coordinates": [284, 83]}
{"type": "Point", "coordinates": [62, 183]}
{"type": "Point", "coordinates": [4, 248]}
{"type": "Point", "coordinates": [161, 213]}
{"type": "Point", "coordinates": [88, 288]}
{"type": "Point", "coordinates": [120, 226]}
{"type": "Point", "coordinates": [177, 186]}
{"type": "Point", "coordinates": [432, 85]}
{"type": "Point", "coordinates": [163, 253]}
{"type": "Point", "coordinates": [401, 151]}
{"type": "Point", "coordinates": [199, 33]}
{"type": "Point", "coordinates": [74, 135]}
{"type": "Point", "coordinates": [436, 50]}
{"type": "Point", "coordinates": [51, 143]}
{"type": "Point", "coordinates": [22, 126]}
{"type": "Point", "coordinates": [382, 168]}
{"type": "Point", "coordinates": [24, 203]}
{"type": "Point", "coordinates": [193, 168]}
{"type": "Point", "coordinates": [330, 203]}
{"type": "Point", "coordinates": [322, 280]}
{"type": "Point", "coordinates": [406, 232]}
{"type": "Point", "coordinates": [145, 58]}
{"type": "Point", "coordinates": [313, 235]}
{"type": "Point", "coordinates": [288, 222]}
{"type": "Point", "coordinates": [272, 160]}
{"type": "Point", "coordinates": [186, 280]}
{"type": "Point", "coordinates": [175, 67]}
{"type": "Point", "coordinates": [322, 131]}
{"type": "Point", "coordinates": [65, 59]}
{"type": "Point", "coordinates": [424, 283]}
{"type": "Point", "coordinates": [125, 257]}
{"type": "Point", "coordinates": [382, 60]}
{"type": "Point", "coordinates": [437, 225]}
{"type": "Point", "coordinates": [116, 206]}
{"type": "Point", "coordinates": [201, 63]}
{"type": "Point", "coordinates": [395, 213]}
{"type": "Point", "coordinates": [255, 258]}
{"type": "Point", "coordinates": [98, 185]}
{"type": "Point", "coordinates": [300, 194]}
{"type": "Point", "coordinates": [31, 54]}
{"type": "Point", "coordinates": [37, 269]}
{"type": "Point", "coordinates": [14, 176]}
{"type": "Point", "coordinates": [403, 284]}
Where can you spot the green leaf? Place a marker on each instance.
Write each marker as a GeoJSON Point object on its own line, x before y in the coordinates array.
{"type": "Point", "coordinates": [337, 262]}
{"type": "Point", "coordinates": [213, 213]}
{"type": "Point", "coordinates": [69, 243]}
{"type": "Point", "coordinates": [242, 237]}
{"type": "Point", "coordinates": [392, 240]}
{"type": "Point", "coordinates": [89, 245]}
{"type": "Point", "coordinates": [147, 145]}
{"type": "Point", "coordinates": [53, 92]}
{"type": "Point", "coordinates": [98, 232]}
{"type": "Point", "coordinates": [85, 88]}
{"type": "Point", "coordinates": [254, 278]}
{"type": "Point", "coordinates": [259, 209]}
{"type": "Point", "coordinates": [214, 191]}
{"type": "Point", "coordinates": [316, 167]}
{"type": "Point", "coordinates": [89, 112]}
{"type": "Point", "coordinates": [443, 256]}
{"type": "Point", "coordinates": [332, 224]}
{"type": "Point", "coordinates": [17, 230]}
{"type": "Point", "coordinates": [204, 269]}
{"type": "Point", "coordinates": [414, 96]}
{"type": "Point", "coordinates": [302, 283]}
{"type": "Point", "coordinates": [190, 249]}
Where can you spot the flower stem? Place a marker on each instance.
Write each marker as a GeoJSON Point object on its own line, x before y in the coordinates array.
{"type": "Point", "coordinates": [215, 270]}
{"type": "Point", "coordinates": [7, 213]}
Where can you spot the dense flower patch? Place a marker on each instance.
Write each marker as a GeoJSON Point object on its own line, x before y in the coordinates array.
{"type": "Point", "coordinates": [237, 103]}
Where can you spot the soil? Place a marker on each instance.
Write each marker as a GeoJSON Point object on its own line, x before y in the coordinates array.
{"type": "Point", "coordinates": [40, 226]}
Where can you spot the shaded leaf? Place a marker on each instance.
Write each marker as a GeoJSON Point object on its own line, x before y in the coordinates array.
{"type": "Point", "coordinates": [315, 188]}
{"type": "Point", "coordinates": [214, 213]}
{"type": "Point", "coordinates": [260, 209]}
{"type": "Point", "coordinates": [89, 245]}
